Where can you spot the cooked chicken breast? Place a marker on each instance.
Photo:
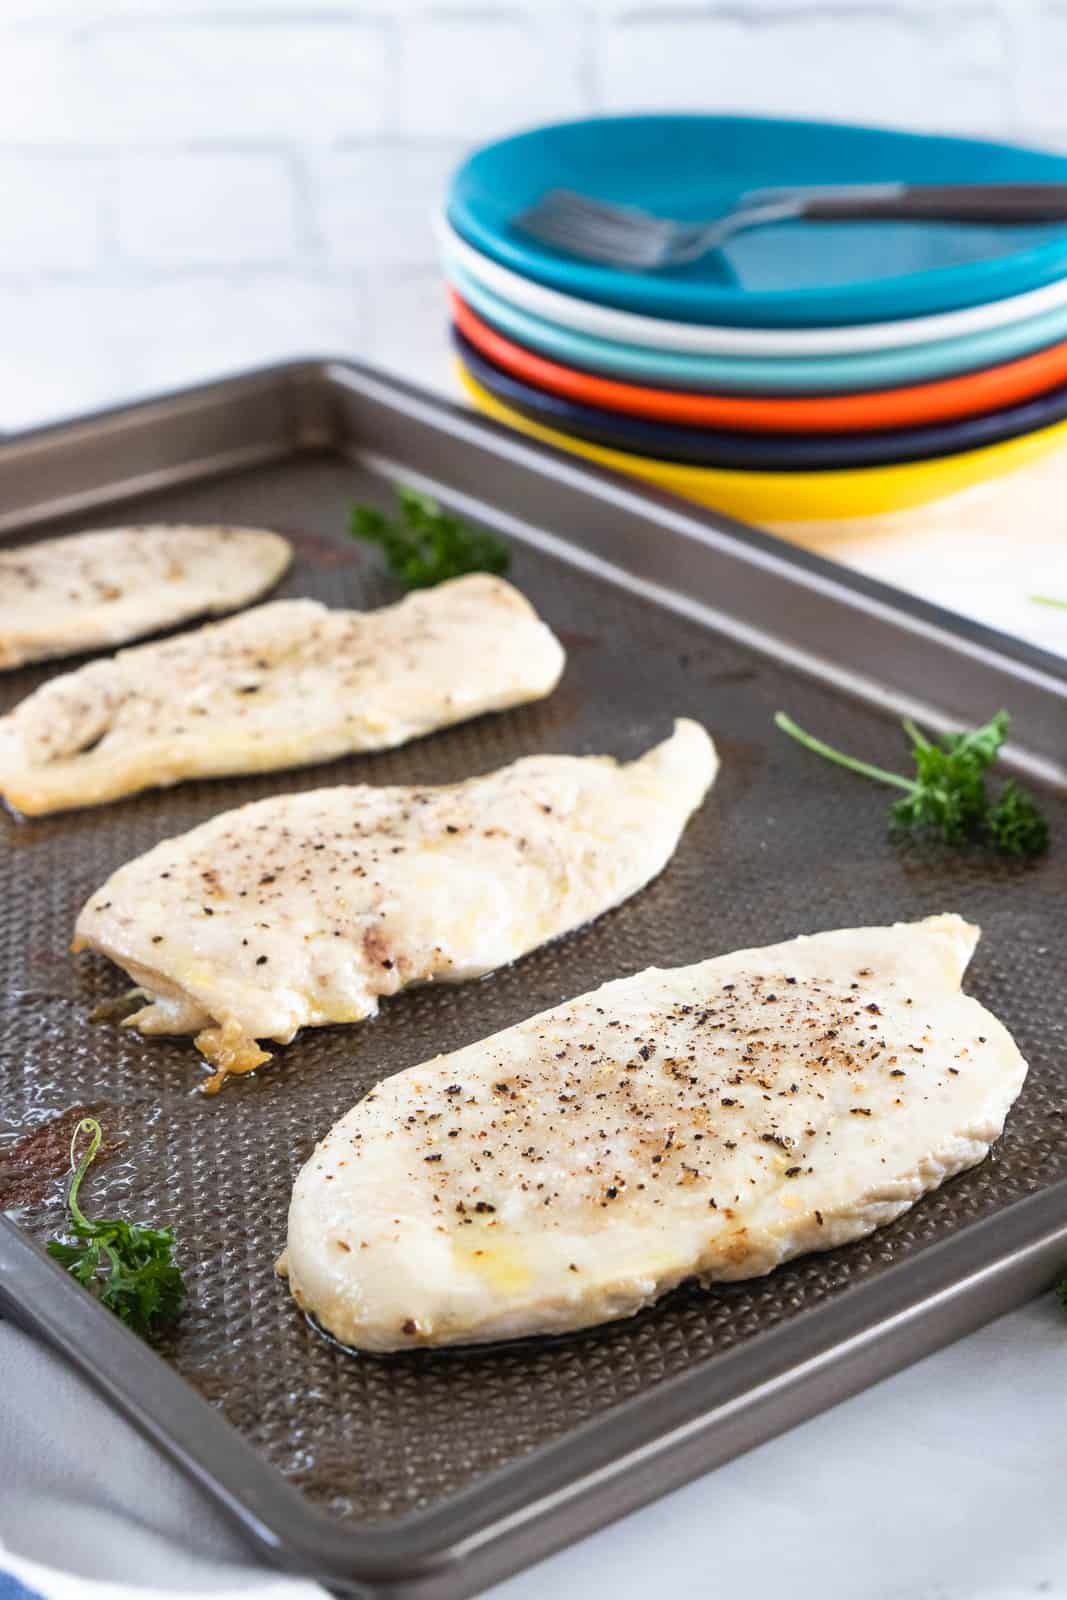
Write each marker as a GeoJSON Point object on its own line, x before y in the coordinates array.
{"type": "Point", "coordinates": [91, 591]}
{"type": "Point", "coordinates": [304, 909]}
{"type": "Point", "coordinates": [710, 1121]}
{"type": "Point", "coordinates": [280, 686]}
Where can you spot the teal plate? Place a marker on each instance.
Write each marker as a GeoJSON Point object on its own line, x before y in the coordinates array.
{"type": "Point", "coordinates": [849, 374]}
{"type": "Point", "coordinates": [792, 274]}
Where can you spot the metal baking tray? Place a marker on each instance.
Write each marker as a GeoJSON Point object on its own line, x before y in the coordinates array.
{"type": "Point", "coordinates": [434, 1474]}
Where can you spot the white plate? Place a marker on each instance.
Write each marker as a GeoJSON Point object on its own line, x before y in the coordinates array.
{"type": "Point", "coordinates": [702, 339]}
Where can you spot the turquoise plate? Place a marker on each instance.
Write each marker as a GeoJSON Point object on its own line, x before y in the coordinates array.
{"type": "Point", "coordinates": [876, 369]}
{"type": "Point", "coordinates": [792, 274]}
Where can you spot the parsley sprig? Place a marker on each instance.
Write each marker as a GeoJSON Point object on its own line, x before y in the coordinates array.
{"type": "Point", "coordinates": [129, 1268]}
{"type": "Point", "coordinates": [948, 796]}
{"type": "Point", "coordinates": [425, 545]}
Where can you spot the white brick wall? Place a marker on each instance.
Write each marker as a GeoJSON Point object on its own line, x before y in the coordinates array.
{"type": "Point", "coordinates": [190, 185]}
{"type": "Point", "coordinates": [373, 202]}
{"type": "Point", "coordinates": [209, 208]}
{"type": "Point", "coordinates": [907, 66]}
{"type": "Point", "coordinates": [472, 73]}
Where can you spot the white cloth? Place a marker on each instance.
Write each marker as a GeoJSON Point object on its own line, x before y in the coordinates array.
{"type": "Point", "coordinates": [84, 1496]}
{"type": "Point", "coordinates": [30, 1580]}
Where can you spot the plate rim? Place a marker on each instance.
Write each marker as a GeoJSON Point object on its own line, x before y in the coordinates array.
{"type": "Point", "coordinates": [827, 495]}
{"type": "Point", "coordinates": [828, 413]}
{"type": "Point", "coordinates": [656, 439]}
{"type": "Point", "coordinates": [704, 338]}
{"type": "Point", "coordinates": [746, 374]}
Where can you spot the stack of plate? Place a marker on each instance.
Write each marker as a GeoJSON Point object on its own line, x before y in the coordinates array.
{"type": "Point", "coordinates": [808, 371]}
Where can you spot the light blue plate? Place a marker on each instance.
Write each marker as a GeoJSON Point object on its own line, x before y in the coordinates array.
{"type": "Point", "coordinates": [850, 374]}
{"type": "Point", "coordinates": [793, 274]}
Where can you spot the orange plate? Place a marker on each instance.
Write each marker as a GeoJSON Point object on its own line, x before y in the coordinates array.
{"type": "Point", "coordinates": [964, 396]}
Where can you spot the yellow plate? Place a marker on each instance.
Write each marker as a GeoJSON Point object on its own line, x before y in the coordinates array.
{"type": "Point", "coordinates": [796, 496]}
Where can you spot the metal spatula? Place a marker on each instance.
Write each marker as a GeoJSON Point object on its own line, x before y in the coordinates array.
{"type": "Point", "coordinates": [624, 236]}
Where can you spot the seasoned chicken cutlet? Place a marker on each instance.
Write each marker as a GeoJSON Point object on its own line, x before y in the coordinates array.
{"type": "Point", "coordinates": [282, 685]}
{"type": "Point", "coordinates": [712, 1121]}
{"type": "Point", "coordinates": [305, 909]}
{"type": "Point", "coordinates": [92, 591]}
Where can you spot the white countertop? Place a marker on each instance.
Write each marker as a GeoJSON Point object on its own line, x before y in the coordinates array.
{"type": "Point", "coordinates": [946, 1482]}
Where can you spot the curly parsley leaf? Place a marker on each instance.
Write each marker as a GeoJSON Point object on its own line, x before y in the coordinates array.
{"type": "Point", "coordinates": [948, 791]}
{"type": "Point", "coordinates": [425, 545]}
{"type": "Point", "coordinates": [947, 795]}
{"type": "Point", "coordinates": [129, 1268]}
{"type": "Point", "coordinates": [1016, 825]}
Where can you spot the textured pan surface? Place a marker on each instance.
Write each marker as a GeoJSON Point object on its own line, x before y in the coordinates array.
{"type": "Point", "coordinates": [784, 845]}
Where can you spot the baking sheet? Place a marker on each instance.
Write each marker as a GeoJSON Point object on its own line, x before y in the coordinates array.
{"type": "Point", "coordinates": [430, 1473]}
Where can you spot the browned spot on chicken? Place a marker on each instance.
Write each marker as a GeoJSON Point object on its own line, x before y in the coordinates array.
{"type": "Point", "coordinates": [231, 1052]}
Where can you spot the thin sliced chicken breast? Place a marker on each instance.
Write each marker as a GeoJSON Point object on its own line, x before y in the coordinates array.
{"type": "Point", "coordinates": [305, 909]}
{"type": "Point", "coordinates": [92, 591]}
{"type": "Point", "coordinates": [711, 1121]}
{"type": "Point", "coordinates": [282, 685]}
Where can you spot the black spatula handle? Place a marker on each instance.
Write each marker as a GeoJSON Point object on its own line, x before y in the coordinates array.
{"type": "Point", "coordinates": [951, 202]}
